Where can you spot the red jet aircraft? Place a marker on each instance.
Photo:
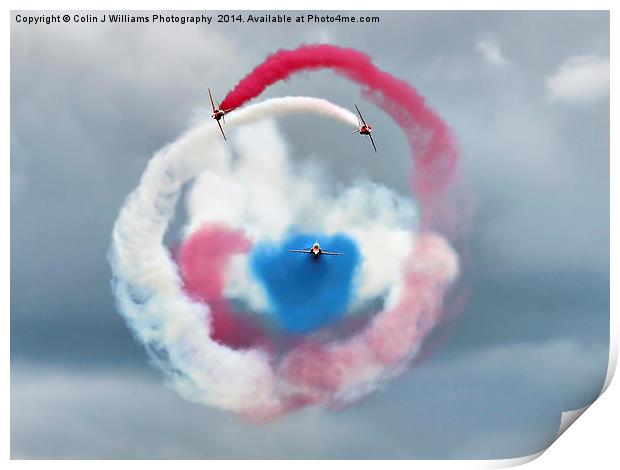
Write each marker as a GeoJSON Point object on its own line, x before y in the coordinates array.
{"type": "Point", "coordinates": [316, 251]}
{"type": "Point", "coordinates": [218, 113]}
{"type": "Point", "coordinates": [364, 129]}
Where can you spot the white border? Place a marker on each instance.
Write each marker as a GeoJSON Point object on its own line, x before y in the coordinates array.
{"type": "Point", "coordinates": [593, 441]}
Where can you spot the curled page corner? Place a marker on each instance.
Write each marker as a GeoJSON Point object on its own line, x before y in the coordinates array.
{"type": "Point", "coordinates": [568, 418]}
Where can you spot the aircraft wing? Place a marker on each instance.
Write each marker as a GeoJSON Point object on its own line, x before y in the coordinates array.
{"type": "Point", "coordinates": [299, 251]}
{"type": "Point", "coordinates": [211, 98]}
{"type": "Point", "coordinates": [222, 130]}
{"type": "Point", "coordinates": [333, 253]}
{"type": "Point", "coordinates": [358, 112]}
{"type": "Point", "coordinates": [373, 142]}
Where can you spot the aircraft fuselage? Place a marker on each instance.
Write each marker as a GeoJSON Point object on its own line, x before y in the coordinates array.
{"type": "Point", "coordinates": [315, 250]}
{"type": "Point", "coordinates": [365, 130]}
{"type": "Point", "coordinates": [218, 114]}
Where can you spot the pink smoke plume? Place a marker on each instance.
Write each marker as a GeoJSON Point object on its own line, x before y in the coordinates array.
{"type": "Point", "coordinates": [433, 148]}
{"type": "Point", "coordinates": [203, 258]}
{"type": "Point", "coordinates": [329, 372]}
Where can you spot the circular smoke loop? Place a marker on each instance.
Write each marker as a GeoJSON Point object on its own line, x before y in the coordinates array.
{"type": "Point", "coordinates": [176, 322]}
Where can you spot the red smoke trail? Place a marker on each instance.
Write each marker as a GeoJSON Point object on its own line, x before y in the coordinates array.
{"type": "Point", "coordinates": [322, 368]}
{"type": "Point", "coordinates": [321, 371]}
{"type": "Point", "coordinates": [203, 259]}
{"type": "Point", "coordinates": [433, 148]}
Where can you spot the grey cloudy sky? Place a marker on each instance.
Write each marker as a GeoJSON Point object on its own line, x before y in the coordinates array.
{"type": "Point", "coordinates": [527, 96]}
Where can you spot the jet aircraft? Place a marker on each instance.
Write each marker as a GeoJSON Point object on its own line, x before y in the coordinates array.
{"type": "Point", "coordinates": [316, 251]}
{"type": "Point", "coordinates": [219, 113]}
{"type": "Point", "coordinates": [364, 129]}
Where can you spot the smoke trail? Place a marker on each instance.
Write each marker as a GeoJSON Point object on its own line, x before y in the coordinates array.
{"type": "Point", "coordinates": [266, 194]}
{"type": "Point", "coordinates": [433, 148]}
{"type": "Point", "coordinates": [445, 202]}
{"type": "Point", "coordinates": [203, 259]}
{"type": "Point", "coordinates": [176, 328]}
{"type": "Point", "coordinates": [147, 284]}
{"type": "Point", "coordinates": [307, 293]}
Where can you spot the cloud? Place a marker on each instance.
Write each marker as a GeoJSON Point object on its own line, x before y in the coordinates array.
{"type": "Point", "coordinates": [114, 414]}
{"type": "Point", "coordinates": [491, 52]}
{"type": "Point", "coordinates": [121, 63]}
{"type": "Point", "coordinates": [580, 79]}
{"type": "Point", "coordinates": [469, 406]}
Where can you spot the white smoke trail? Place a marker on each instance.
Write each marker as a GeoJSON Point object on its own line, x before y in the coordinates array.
{"type": "Point", "coordinates": [266, 195]}
{"type": "Point", "coordinates": [176, 330]}
{"type": "Point", "coordinates": [147, 282]}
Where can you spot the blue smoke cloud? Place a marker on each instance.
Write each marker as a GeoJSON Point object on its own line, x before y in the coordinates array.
{"type": "Point", "coordinates": [306, 293]}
